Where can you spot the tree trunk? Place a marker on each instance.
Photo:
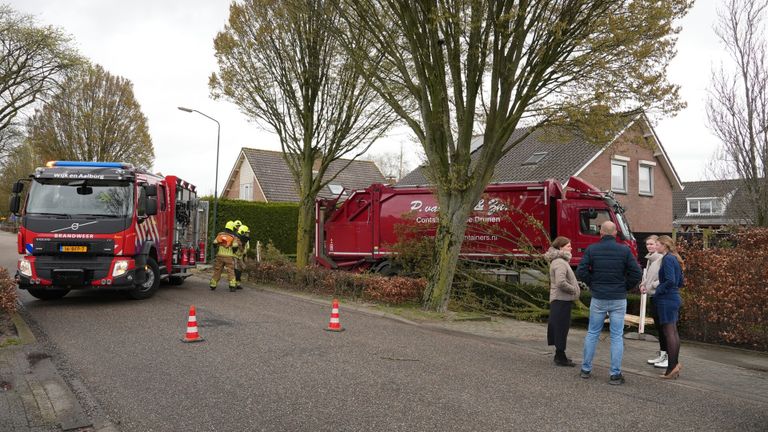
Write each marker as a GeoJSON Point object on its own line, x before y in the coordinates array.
{"type": "Point", "coordinates": [304, 232]}
{"type": "Point", "coordinates": [448, 240]}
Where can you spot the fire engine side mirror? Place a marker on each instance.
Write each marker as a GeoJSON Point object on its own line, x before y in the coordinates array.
{"type": "Point", "coordinates": [17, 187]}
{"type": "Point", "coordinates": [151, 190]}
{"type": "Point", "coordinates": [151, 209]}
{"type": "Point", "coordinates": [15, 203]}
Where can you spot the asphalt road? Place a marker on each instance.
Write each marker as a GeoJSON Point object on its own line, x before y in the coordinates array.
{"type": "Point", "coordinates": [267, 364]}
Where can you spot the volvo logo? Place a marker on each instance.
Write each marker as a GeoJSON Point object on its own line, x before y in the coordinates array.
{"type": "Point", "coordinates": [74, 227]}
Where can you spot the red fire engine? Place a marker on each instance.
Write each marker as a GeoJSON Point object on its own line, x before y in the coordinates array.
{"type": "Point", "coordinates": [104, 225]}
{"type": "Point", "coordinates": [508, 219]}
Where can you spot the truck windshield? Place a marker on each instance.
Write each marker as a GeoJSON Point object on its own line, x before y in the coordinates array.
{"type": "Point", "coordinates": [81, 197]}
{"type": "Point", "coordinates": [624, 226]}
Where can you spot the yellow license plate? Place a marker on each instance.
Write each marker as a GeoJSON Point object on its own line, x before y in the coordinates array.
{"type": "Point", "coordinates": [74, 248]}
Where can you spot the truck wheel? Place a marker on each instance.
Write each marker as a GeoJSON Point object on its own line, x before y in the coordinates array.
{"type": "Point", "coordinates": [149, 287]}
{"type": "Point", "coordinates": [386, 268]}
{"type": "Point", "coordinates": [46, 294]}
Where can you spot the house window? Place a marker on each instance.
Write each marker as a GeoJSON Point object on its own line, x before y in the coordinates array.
{"type": "Point", "coordinates": [645, 179]}
{"type": "Point", "coordinates": [619, 176]}
{"type": "Point", "coordinates": [705, 206]}
{"type": "Point", "coordinates": [335, 189]}
{"type": "Point", "coordinates": [246, 191]}
{"type": "Point", "coordinates": [535, 158]}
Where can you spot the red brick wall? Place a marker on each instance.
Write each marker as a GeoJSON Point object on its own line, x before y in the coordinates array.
{"type": "Point", "coordinates": [648, 214]}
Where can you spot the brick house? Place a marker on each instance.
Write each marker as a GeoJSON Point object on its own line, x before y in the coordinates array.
{"type": "Point", "coordinates": [711, 204]}
{"type": "Point", "coordinates": [263, 175]}
{"type": "Point", "coordinates": [634, 166]}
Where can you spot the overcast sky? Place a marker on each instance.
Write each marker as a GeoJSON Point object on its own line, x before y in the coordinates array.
{"type": "Point", "coordinates": [165, 47]}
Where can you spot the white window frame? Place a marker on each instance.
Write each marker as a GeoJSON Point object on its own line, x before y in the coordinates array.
{"type": "Point", "coordinates": [619, 161]}
{"type": "Point", "coordinates": [246, 187]}
{"type": "Point", "coordinates": [650, 165]}
{"type": "Point", "coordinates": [711, 200]}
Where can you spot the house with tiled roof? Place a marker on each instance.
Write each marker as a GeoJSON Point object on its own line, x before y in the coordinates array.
{"type": "Point", "coordinates": [633, 165]}
{"type": "Point", "coordinates": [711, 204]}
{"type": "Point", "coordinates": [263, 175]}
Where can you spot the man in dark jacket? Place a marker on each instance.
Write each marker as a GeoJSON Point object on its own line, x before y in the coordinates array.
{"type": "Point", "coordinates": [610, 270]}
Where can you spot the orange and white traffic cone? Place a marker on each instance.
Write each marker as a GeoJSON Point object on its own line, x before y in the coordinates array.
{"type": "Point", "coordinates": [335, 325]}
{"type": "Point", "coordinates": [192, 334]}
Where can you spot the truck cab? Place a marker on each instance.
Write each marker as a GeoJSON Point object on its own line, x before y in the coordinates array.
{"type": "Point", "coordinates": [582, 212]}
{"type": "Point", "coordinates": [97, 225]}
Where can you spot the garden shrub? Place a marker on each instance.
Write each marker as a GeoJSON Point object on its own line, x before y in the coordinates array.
{"type": "Point", "coordinates": [725, 297]}
{"type": "Point", "coordinates": [8, 295]}
{"type": "Point", "coordinates": [318, 280]}
{"type": "Point", "coordinates": [268, 222]}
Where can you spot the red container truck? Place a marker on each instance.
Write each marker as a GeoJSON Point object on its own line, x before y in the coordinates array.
{"type": "Point", "coordinates": [506, 222]}
{"type": "Point", "coordinates": [104, 225]}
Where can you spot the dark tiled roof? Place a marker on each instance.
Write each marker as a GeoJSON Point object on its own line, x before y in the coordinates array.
{"type": "Point", "coordinates": [277, 183]}
{"type": "Point", "coordinates": [738, 208]}
{"type": "Point", "coordinates": [567, 152]}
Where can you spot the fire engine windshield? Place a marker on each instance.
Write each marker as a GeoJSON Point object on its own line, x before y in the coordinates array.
{"type": "Point", "coordinates": [81, 198]}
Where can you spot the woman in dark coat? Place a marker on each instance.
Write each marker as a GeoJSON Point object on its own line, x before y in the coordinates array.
{"type": "Point", "coordinates": [563, 290]}
{"type": "Point", "coordinates": [668, 301]}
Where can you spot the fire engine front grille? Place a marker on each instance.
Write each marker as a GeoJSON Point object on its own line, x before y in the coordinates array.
{"type": "Point", "coordinates": [95, 268]}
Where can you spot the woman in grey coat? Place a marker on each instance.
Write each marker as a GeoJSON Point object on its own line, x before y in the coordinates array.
{"type": "Point", "coordinates": [563, 290]}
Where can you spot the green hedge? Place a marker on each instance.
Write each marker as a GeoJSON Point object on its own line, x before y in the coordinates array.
{"type": "Point", "coordinates": [276, 222]}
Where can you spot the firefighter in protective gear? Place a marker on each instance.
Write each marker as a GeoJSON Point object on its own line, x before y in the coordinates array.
{"type": "Point", "coordinates": [228, 243]}
{"type": "Point", "coordinates": [244, 234]}
{"type": "Point", "coordinates": [238, 224]}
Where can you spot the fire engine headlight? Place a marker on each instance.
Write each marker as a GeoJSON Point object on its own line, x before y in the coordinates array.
{"type": "Point", "coordinates": [25, 267]}
{"type": "Point", "coordinates": [120, 268]}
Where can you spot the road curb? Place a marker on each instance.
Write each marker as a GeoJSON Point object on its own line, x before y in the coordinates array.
{"type": "Point", "coordinates": [69, 414]}
{"type": "Point", "coordinates": [323, 302]}
{"type": "Point", "coordinates": [26, 336]}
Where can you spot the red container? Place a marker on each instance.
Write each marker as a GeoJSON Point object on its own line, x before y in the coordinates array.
{"type": "Point", "coordinates": [507, 218]}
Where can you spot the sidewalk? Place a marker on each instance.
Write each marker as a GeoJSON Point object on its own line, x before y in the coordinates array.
{"type": "Point", "coordinates": [33, 395]}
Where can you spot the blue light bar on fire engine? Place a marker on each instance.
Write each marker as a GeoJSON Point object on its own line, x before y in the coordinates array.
{"type": "Point", "coordinates": [52, 164]}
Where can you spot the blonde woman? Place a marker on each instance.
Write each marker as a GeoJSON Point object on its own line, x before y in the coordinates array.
{"type": "Point", "coordinates": [668, 301]}
{"type": "Point", "coordinates": [648, 286]}
{"type": "Point", "coordinates": [563, 290]}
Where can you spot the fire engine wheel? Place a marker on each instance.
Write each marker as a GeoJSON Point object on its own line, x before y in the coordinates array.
{"type": "Point", "coordinates": [45, 294]}
{"type": "Point", "coordinates": [149, 287]}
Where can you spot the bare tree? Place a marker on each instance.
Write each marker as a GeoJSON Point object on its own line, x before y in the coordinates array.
{"type": "Point", "coordinates": [456, 68]}
{"type": "Point", "coordinates": [94, 117]}
{"type": "Point", "coordinates": [32, 59]}
{"type": "Point", "coordinates": [737, 107]}
{"type": "Point", "coordinates": [281, 64]}
{"type": "Point", "coordinates": [394, 165]}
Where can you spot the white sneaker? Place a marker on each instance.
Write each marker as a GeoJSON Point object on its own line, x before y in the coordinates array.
{"type": "Point", "coordinates": [661, 356]}
{"type": "Point", "coordinates": [662, 364]}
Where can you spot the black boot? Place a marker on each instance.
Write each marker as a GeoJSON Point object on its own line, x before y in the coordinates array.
{"type": "Point", "coordinates": [562, 360]}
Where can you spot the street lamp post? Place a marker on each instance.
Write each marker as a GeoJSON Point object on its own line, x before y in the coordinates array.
{"type": "Point", "coordinates": [215, 181]}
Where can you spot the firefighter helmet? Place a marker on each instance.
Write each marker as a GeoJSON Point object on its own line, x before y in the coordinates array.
{"type": "Point", "coordinates": [230, 226]}
{"type": "Point", "coordinates": [243, 230]}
